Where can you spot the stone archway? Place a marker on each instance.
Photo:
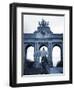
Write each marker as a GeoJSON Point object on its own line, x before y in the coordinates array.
{"type": "Point", "coordinates": [42, 37]}
{"type": "Point", "coordinates": [30, 53]}
{"type": "Point", "coordinates": [56, 55]}
{"type": "Point", "coordinates": [60, 45]}
{"type": "Point", "coordinates": [41, 50]}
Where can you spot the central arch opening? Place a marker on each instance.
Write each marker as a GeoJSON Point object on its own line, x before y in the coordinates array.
{"type": "Point", "coordinates": [44, 51]}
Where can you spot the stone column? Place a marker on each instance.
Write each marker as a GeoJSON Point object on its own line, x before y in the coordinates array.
{"type": "Point", "coordinates": [36, 55]}
{"type": "Point", "coordinates": [25, 52]}
{"type": "Point", "coordinates": [24, 59]}
{"type": "Point", "coordinates": [61, 52]}
{"type": "Point", "coordinates": [50, 54]}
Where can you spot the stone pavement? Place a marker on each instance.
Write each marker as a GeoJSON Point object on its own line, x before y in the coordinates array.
{"type": "Point", "coordinates": [30, 70]}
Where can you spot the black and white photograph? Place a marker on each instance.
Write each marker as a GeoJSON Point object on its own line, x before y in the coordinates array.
{"type": "Point", "coordinates": [41, 44]}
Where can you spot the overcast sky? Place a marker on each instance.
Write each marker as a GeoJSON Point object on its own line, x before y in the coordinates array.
{"type": "Point", "coordinates": [56, 23]}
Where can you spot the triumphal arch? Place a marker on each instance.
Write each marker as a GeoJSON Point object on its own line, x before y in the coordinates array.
{"type": "Point", "coordinates": [43, 36]}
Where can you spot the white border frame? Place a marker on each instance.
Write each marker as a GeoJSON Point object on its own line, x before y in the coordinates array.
{"type": "Point", "coordinates": [44, 78]}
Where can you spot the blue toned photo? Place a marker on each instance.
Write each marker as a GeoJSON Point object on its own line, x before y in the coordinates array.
{"type": "Point", "coordinates": [42, 44]}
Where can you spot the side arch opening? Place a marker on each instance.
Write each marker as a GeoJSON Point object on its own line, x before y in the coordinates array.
{"type": "Point", "coordinates": [56, 55]}
{"type": "Point", "coordinates": [30, 53]}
